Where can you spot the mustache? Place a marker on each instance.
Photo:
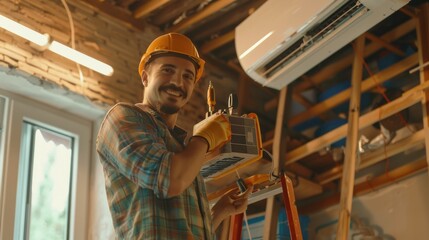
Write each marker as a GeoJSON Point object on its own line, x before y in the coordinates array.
{"type": "Point", "coordinates": [174, 88]}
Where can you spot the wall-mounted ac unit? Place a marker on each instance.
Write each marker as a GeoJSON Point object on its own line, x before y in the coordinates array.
{"type": "Point", "coordinates": [283, 39]}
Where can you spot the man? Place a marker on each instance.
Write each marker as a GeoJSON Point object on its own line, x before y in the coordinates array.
{"type": "Point", "coordinates": [153, 184]}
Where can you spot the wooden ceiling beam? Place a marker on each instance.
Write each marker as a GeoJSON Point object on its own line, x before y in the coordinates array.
{"type": "Point", "coordinates": [118, 13]}
{"type": "Point", "coordinates": [145, 8]}
{"type": "Point", "coordinates": [173, 11]}
{"type": "Point", "coordinates": [385, 44]}
{"type": "Point", "coordinates": [373, 184]}
{"type": "Point", "coordinates": [200, 16]}
{"type": "Point", "coordinates": [231, 18]}
{"type": "Point", "coordinates": [125, 3]}
{"type": "Point", "coordinates": [366, 120]}
{"type": "Point", "coordinates": [375, 156]}
{"type": "Point", "coordinates": [218, 42]}
{"type": "Point", "coordinates": [410, 11]}
{"type": "Point", "coordinates": [367, 84]}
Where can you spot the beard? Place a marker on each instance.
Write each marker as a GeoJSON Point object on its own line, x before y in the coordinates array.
{"type": "Point", "coordinates": [169, 109]}
{"type": "Point", "coordinates": [166, 107]}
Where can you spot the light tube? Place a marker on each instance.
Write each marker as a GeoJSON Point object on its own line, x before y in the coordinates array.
{"type": "Point", "coordinates": [80, 58]}
{"type": "Point", "coordinates": [43, 40]}
{"type": "Point", "coordinates": [24, 32]}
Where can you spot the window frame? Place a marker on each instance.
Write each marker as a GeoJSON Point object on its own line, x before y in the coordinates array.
{"type": "Point", "coordinates": [3, 126]}
{"type": "Point", "coordinates": [23, 109]}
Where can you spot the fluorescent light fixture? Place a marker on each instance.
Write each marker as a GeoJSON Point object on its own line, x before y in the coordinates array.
{"type": "Point", "coordinates": [255, 45]}
{"type": "Point", "coordinates": [24, 32]}
{"type": "Point", "coordinates": [80, 58]}
{"type": "Point", "coordinates": [43, 40]}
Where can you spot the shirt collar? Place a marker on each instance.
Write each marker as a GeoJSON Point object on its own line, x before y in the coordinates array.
{"type": "Point", "coordinates": [178, 132]}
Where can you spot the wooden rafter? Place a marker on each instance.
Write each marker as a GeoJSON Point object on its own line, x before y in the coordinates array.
{"type": "Point", "coordinates": [117, 12]}
{"type": "Point", "coordinates": [343, 96]}
{"type": "Point", "coordinates": [370, 185]}
{"type": "Point", "coordinates": [366, 120]}
{"type": "Point", "coordinates": [231, 18]}
{"type": "Point", "coordinates": [375, 156]}
{"type": "Point", "coordinates": [200, 16]}
{"type": "Point", "coordinates": [385, 44]}
{"type": "Point", "coordinates": [173, 11]}
{"type": "Point", "coordinates": [147, 7]}
{"type": "Point", "coordinates": [218, 42]}
{"type": "Point", "coordinates": [125, 3]}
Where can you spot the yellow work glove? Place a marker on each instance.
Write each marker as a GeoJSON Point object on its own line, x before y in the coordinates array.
{"type": "Point", "coordinates": [216, 130]}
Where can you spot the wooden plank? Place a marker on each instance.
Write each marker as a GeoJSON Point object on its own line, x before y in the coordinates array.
{"type": "Point", "coordinates": [200, 16]}
{"type": "Point", "coordinates": [145, 8]}
{"type": "Point", "coordinates": [351, 151]}
{"type": "Point", "coordinates": [279, 152]}
{"type": "Point", "coordinates": [173, 11]}
{"type": "Point", "coordinates": [229, 20]}
{"type": "Point", "coordinates": [218, 42]}
{"type": "Point", "coordinates": [125, 3]}
{"type": "Point", "coordinates": [410, 11]}
{"type": "Point", "coordinates": [367, 84]}
{"type": "Point", "coordinates": [370, 185]}
{"type": "Point", "coordinates": [385, 44]}
{"type": "Point", "coordinates": [423, 46]}
{"type": "Point", "coordinates": [373, 157]}
{"type": "Point", "coordinates": [376, 115]}
{"type": "Point", "coordinates": [117, 12]}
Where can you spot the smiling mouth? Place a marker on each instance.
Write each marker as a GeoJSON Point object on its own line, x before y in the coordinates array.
{"type": "Point", "coordinates": [173, 93]}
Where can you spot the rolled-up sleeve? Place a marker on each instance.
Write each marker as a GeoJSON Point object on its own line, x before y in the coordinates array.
{"type": "Point", "coordinates": [134, 145]}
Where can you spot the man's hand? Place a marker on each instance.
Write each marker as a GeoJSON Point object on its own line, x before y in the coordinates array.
{"type": "Point", "coordinates": [229, 204]}
{"type": "Point", "coordinates": [216, 130]}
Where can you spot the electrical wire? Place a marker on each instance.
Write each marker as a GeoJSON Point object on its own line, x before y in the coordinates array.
{"type": "Point", "coordinates": [247, 225]}
{"type": "Point", "coordinates": [73, 42]}
{"type": "Point", "coordinates": [73, 45]}
{"type": "Point", "coordinates": [242, 188]}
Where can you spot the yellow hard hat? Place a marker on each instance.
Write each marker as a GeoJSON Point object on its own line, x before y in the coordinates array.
{"type": "Point", "coordinates": [177, 44]}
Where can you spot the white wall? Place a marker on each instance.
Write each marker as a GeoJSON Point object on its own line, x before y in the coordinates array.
{"type": "Point", "coordinates": [100, 221]}
{"type": "Point", "coordinates": [397, 212]}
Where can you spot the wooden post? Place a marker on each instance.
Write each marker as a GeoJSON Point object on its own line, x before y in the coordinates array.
{"type": "Point", "coordinates": [279, 152]}
{"type": "Point", "coordinates": [351, 150]}
{"type": "Point", "coordinates": [423, 53]}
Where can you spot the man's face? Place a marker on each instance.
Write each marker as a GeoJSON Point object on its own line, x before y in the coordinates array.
{"type": "Point", "coordinates": [169, 82]}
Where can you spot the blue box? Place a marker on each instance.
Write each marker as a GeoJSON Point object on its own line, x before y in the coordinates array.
{"type": "Point", "coordinates": [256, 226]}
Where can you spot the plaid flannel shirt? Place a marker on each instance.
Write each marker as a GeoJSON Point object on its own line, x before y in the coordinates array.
{"type": "Point", "coordinates": [135, 148]}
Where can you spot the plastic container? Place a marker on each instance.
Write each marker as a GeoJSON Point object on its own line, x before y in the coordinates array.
{"type": "Point", "coordinates": [256, 225]}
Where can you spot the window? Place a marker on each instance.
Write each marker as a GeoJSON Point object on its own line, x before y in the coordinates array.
{"type": "Point", "coordinates": [45, 184]}
{"type": "Point", "coordinates": [47, 157]}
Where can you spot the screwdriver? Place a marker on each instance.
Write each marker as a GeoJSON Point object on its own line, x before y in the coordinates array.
{"type": "Point", "coordinates": [211, 101]}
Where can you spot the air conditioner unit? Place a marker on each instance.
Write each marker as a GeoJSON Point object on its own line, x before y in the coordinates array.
{"type": "Point", "coordinates": [283, 39]}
